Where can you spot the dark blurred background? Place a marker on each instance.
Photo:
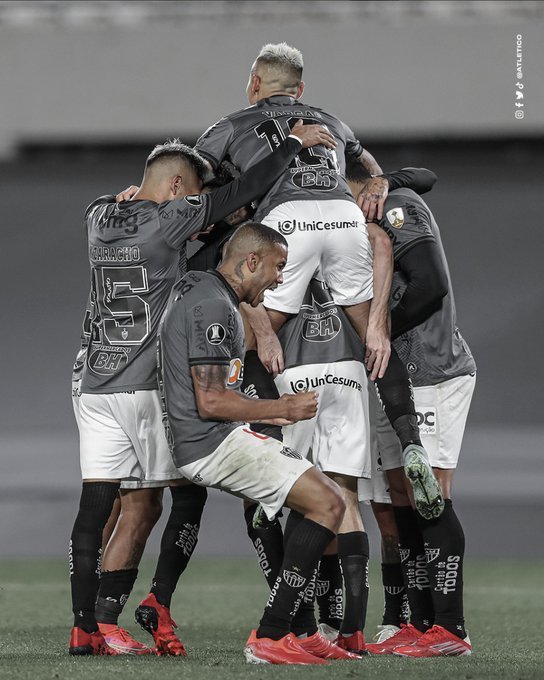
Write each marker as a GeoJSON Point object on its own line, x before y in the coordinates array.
{"type": "Point", "coordinates": [87, 88]}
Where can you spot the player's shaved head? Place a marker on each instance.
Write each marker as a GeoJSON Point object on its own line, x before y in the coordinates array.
{"type": "Point", "coordinates": [279, 67]}
{"type": "Point", "coordinates": [172, 158]}
{"type": "Point", "coordinates": [252, 237]}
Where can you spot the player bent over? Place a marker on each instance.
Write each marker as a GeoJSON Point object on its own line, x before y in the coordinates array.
{"type": "Point", "coordinates": [201, 345]}
{"type": "Point", "coordinates": [134, 249]}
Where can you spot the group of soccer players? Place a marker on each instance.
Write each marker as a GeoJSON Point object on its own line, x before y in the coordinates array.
{"type": "Point", "coordinates": [174, 384]}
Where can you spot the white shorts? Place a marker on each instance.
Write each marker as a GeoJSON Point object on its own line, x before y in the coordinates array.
{"type": "Point", "coordinates": [252, 466]}
{"type": "Point", "coordinates": [121, 436]}
{"type": "Point", "coordinates": [337, 438]}
{"type": "Point", "coordinates": [442, 412]}
{"type": "Point", "coordinates": [329, 236]}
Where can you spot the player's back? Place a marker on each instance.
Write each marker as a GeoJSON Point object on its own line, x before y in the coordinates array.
{"type": "Point", "coordinates": [246, 136]}
{"type": "Point", "coordinates": [434, 350]}
{"type": "Point", "coordinates": [133, 269]}
{"type": "Point", "coordinates": [320, 333]}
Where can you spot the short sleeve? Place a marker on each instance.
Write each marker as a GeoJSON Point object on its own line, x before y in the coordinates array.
{"type": "Point", "coordinates": [407, 224]}
{"type": "Point", "coordinates": [182, 217]}
{"type": "Point", "coordinates": [213, 144]}
{"type": "Point", "coordinates": [99, 202]}
{"type": "Point", "coordinates": [209, 332]}
{"type": "Point", "coordinates": [354, 147]}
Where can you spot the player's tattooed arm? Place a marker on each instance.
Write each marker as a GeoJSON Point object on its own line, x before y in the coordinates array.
{"type": "Point", "coordinates": [216, 402]}
{"type": "Point", "coordinates": [370, 163]}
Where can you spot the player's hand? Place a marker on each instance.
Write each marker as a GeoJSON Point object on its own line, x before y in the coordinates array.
{"type": "Point", "coordinates": [301, 406]}
{"type": "Point", "coordinates": [378, 351]}
{"type": "Point", "coordinates": [198, 234]}
{"type": "Point", "coordinates": [372, 198]}
{"type": "Point", "coordinates": [270, 353]}
{"type": "Point", "coordinates": [310, 135]}
{"type": "Point", "coordinates": [127, 194]}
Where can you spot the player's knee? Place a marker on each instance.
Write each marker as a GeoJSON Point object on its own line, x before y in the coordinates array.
{"type": "Point", "coordinates": [332, 504]}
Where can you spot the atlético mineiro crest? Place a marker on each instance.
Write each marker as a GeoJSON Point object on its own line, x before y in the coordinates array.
{"type": "Point", "coordinates": [322, 588]}
{"type": "Point", "coordinates": [395, 217]}
{"type": "Point", "coordinates": [292, 579]}
{"type": "Point", "coordinates": [215, 334]}
{"type": "Point", "coordinates": [431, 554]}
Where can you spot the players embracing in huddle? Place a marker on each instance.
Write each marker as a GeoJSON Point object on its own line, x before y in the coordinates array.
{"type": "Point", "coordinates": [309, 235]}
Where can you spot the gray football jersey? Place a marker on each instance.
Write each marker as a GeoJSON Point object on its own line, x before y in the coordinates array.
{"type": "Point", "coordinates": [435, 350]}
{"type": "Point", "coordinates": [202, 326]}
{"type": "Point", "coordinates": [320, 333]}
{"type": "Point", "coordinates": [246, 136]}
{"type": "Point", "coordinates": [134, 253]}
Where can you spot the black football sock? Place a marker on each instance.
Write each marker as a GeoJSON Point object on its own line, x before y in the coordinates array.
{"type": "Point", "coordinates": [395, 611]}
{"type": "Point", "coordinates": [178, 540]}
{"type": "Point", "coordinates": [303, 622]}
{"type": "Point", "coordinates": [114, 591]}
{"type": "Point", "coordinates": [268, 544]}
{"type": "Point", "coordinates": [303, 550]}
{"type": "Point", "coordinates": [445, 550]}
{"type": "Point", "coordinates": [396, 396]}
{"type": "Point", "coordinates": [95, 506]}
{"type": "Point", "coordinates": [258, 383]}
{"type": "Point", "coordinates": [414, 568]}
{"type": "Point", "coordinates": [353, 553]}
{"type": "Point", "coordinates": [330, 592]}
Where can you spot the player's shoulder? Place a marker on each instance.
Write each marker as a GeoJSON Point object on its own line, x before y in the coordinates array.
{"type": "Point", "coordinates": [404, 207]}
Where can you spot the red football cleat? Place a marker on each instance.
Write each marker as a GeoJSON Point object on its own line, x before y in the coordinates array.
{"type": "Point", "coordinates": [437, 641]}
{"type": "Point", "coordinates": [287, 650]}
{"type": "Point", "coordinates": [155, 619]}
{"type": "Point", "coordinates": [83, 644]}
{"type": "Point", "coordinates": [355, 642]}
{"type": "Point", "coordinates": [121, 640]}
{"type": "Point", "coordinates": [319, 646]}
{"type": "Point", "coordinates": [407, 635]}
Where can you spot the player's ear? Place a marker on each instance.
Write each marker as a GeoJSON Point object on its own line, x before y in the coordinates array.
{"type": "Point", "coordinates": [300, 90]}
{"type": "Point", "coordinates": [176, 184]}
{"type": "Point", "coordinates": [252, 260]}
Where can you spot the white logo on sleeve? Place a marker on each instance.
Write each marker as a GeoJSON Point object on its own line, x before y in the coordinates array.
{"type": "Point", "coordinates": [194, 200]}
{"type": "Point", "coordinates": [395, 217]}
{"type": "Point", "coordinates": [215, 334]}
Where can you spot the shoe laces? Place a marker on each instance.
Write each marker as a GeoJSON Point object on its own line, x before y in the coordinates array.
{"type": "Point", "coordinates": [432, 634]}
{"type": "Point", "coordinates": [126, 636]}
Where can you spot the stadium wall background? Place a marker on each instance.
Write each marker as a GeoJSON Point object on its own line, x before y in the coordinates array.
{"type": "Point", "coordinates": [61, 145]}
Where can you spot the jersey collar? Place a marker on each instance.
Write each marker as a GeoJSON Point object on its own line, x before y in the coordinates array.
{"type": "Point", "coordinates": [230, 289]}
{"type": "Point", "coordinates": [278, 99]}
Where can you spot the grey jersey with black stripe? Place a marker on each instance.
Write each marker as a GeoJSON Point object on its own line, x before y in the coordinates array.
{"type": "Point", "coordinates": [202, 326]}
{"type": "Point", "coordinates": [435, 350]}
{"type": "Point", "coordinates": [245, 136]}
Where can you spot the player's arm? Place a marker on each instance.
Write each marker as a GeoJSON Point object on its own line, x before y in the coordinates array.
{"type": "Point", "coordinates": [420, 180]}
{"type": "Point", "coordinates": [97, 203]}
{"type": "Point", "coordinates": [378, 344]}
{"type": "Point", "coordinates": [268, 345]}
{"type": "Point", "coordinates": [423, 268]}
{"type": "Point", "coordinates": [216, 402]}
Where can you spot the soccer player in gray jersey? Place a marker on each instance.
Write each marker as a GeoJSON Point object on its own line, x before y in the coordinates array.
{"type": "Point", "coordinates": [442, 369]}
{"type": "Point", "coordinates": [134, 251]}
{"type": "Point", "coordinates": [202, 346]}
{"type": "Point", "coordinates": [310, 204]}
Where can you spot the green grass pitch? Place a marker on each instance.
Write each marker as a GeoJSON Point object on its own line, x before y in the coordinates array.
{"type": "Point", "coordinates": [219, 600]}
